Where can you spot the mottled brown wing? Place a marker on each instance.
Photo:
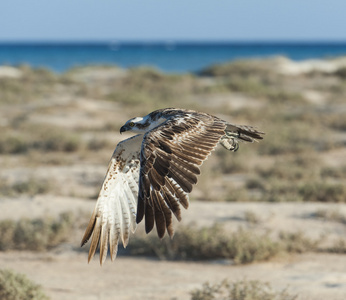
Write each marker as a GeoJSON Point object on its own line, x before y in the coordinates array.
{"type": "Point", "coordinates": [170, 158]}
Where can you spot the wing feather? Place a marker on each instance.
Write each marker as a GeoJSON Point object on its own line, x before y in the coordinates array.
{"type": "Point", "coordinates": [149, 222]}
{"type": "Point", "coordinates": [182, 180]}
{"type": "Point", "coordinates": [178, 192]}
{"type": "Point", "coordinates": [160, 220]}
{"type": "Point", "coordinates": [170, 159]}
{"type": "Point", "coordinates": [126, 219]}
{"type": "Point", "coordinates": [114, 215]}
{"type": "Point", "coordinates": [104, 242]}
{"type": "Point", "coordinates": [95, 238]}
{"type": "Point", "coordinates": [172, 203]}
{"type": "Point", "coordinates": [113, 241]}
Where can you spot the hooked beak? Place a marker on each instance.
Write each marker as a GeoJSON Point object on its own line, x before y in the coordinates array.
{"type": "Point", "coordinates": [122, 129]}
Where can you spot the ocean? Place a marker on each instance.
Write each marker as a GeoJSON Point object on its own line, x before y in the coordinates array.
{"type": "Point", "coordinates": [167, 57]}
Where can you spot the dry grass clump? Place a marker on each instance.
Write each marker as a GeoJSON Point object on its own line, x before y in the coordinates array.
{"type": "Point", "coordinates": [30, 86]}
{"type": "Point", "coordinates": [32, 186]}
{"type": "Point", "coordinates": [333, 172]}
{"type": "Point", "coordinates": [13, 144]}
{"type": "Point", "coordinates": [276, 190]}
{"type": "Point", "coordinates": [55, 139]}
{"type": "Point", "coordinates": [258, 88]}
{"type": "Point", "coordinates": [142, 86]}
{"type": "Point", "coordinates": [228, 163]}
{"type": "Point", "coordinates": [287, 137]}
{"type": "Point", "coordinates": [297, 242]}
{"type": "Point", "coordinates": [253, 78]}
{"type": "Point", "coordinates": [338, 247]}
{"type": "Point", "coordinates": [241, 68]}
{"type": "Point", "coordinates": [41, 138]}
{"type": "Point", "coordinates": [240, 290]}
{"type": "Point", "coordinates": [341, 72]}
{"type": "Point", "coordinates": [35, 234]}
{"type": "Point", "coordinates": [330, 215]}
{"type": "Point", "coordinates": [297, 178]}
{"type": "Point", "coordinates": [251, 217]}
{"type": "Point", "coordinates": [211, 243]}
{"type": "Point", "coordinates": [15, 286]}
{"type": "Point", "coordinates": [190, 243]}
{"type": "Point", "coordinates": [336, 121]}
{"type": "Point", "coordinates": [320, 191]}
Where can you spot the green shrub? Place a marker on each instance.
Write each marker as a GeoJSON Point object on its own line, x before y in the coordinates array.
{"type": "Point", "coordinates": [297, 242]}
{"type": "Point", "coordinates": [228, 162]}
{"type": "Point", "coordinates": [257, 88]}
{"type": "Point", "coordinates": [336, 121]}
{"type": "Point", "coordinates": [37, 137]}
{"type": "Point", "coordinates": [242, 68]}
{"type": "Point", "coordinates": [339, 246]}
{"type": "Point", "coordinates": [212, 243]}
{"type": "Point", "coordinates": [50, 138]}
{"type": "Point", "coordinates": [14, 286]}
{"type": "Point", "coordinates": [251, 217]}
{"type": "Point", "coordinates": [333, 172]}
{"type": "Point", "coordinates": [32, 186]}
{"type": "Point", "coordinates": [13, 144]}
{"type": "Point", "coordinates": [30, 86]}
{"type": "Point", "coordinates": [341, 72]}
{"type": "Point", "coordinates": [330, 215]}
{"type": "Point", "coordinates": [190, 243]}
{"type": "Point", "coordinates": [35, 234]}
{"type": "Point", "coordinates": [290, 138]}
{"type": "Point", "coordinates": [239, 290]}
{"type": "Point", "coordinates": [321, 191]}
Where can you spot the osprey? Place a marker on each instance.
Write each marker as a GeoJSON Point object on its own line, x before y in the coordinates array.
{"type": "Point", "coordinates": [151, 173]}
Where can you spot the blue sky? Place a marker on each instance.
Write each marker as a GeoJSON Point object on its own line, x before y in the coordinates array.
{"type": "Point", "coordinates": [171, 20]}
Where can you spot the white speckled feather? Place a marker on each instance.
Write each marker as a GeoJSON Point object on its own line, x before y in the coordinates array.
{"type": "Point", "coordinates": [114, 215]}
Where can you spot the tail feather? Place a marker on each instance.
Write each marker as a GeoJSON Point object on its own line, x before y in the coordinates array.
{"type": "Point", "coordinates": [243, 132]}
{"type": "Point", "coordinates": [236, 133]}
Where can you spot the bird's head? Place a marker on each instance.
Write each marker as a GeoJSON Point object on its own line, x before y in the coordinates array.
{"type": "Point", "coordinates": [141, 125]}
{"type": "Point", "coordinates": [136, 125]}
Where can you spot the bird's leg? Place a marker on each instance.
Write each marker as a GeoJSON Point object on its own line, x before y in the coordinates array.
{"type": "Point", "coordinates": [229, 142]}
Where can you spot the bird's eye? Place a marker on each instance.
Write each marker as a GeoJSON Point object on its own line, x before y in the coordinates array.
{"type": "Point", "coordinates": [131, 124]}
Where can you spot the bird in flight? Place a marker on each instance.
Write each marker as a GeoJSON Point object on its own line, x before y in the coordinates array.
{"type": "Point", "coordinates": [151, 174]}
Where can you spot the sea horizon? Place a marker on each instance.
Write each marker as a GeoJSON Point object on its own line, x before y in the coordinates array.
{"type": "Point", "coordinates": [179, 56]}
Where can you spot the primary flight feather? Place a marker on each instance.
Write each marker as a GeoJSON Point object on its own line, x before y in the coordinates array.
{"type": "Point", "coordinates": [151, 174]}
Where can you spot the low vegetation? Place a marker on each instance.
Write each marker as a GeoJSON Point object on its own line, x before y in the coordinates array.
{"type": "Point", "coordinates": [73, 118]}
{"type": "Point", "coordinates": [31, 186]}
{"type": "Point", "coordinates": [44, 139]}
{"type": "Point", "coordinates": [191, 243]}
{"type": "Point", "coordinates": [241, 246]}
{"type": "Point", "coordinates": [15, 286]}
{"type": "Point", "coordinates": [240, 290]}
{"type": "Point", "coordinates": [35, 234]}
{"type": "Point", "coordinates": [213, 243]}
{"type": "Point", "coordinates": [330, 215]}
{"type": "Point", "coordinates": [300, 130]}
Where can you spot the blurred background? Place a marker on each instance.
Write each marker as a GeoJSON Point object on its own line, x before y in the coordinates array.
{"type": "Point", "coordinates": [268, 220]}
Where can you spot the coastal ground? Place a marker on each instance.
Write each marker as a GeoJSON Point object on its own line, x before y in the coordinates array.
{"type": "Point", "coordinates": [65, 274]}
{"type": "Point", "coordinates": [59, 130]}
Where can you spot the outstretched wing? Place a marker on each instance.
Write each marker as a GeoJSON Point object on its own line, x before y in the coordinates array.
{"type": "Point", "coordinates": [115, 212]}
{"type": "Point", "coordinates": [170, 159]}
